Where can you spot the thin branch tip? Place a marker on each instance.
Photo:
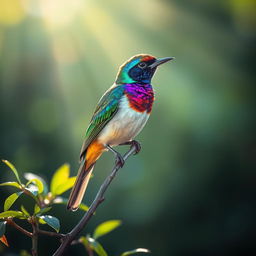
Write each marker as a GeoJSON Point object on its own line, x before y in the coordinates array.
{"type": "Point", "coordinates": [18, 227]}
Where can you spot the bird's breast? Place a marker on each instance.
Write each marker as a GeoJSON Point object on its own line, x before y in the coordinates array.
{"type": "Point", "coordinates": [124, 126]}
{"type": "Point", "coordinates": [140, 96]}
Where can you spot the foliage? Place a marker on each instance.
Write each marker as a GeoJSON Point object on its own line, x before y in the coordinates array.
{"type": "Point", "coordinates": [37, 189]}
{"type": "Point", "coordinates": [44, 199]}
{"type": "Point", "coordinates": [91, 244]}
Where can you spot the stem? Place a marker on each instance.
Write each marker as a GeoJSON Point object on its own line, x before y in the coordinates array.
{"type": "Point", "coordinates": [69, 237]}
{"type": "Point", "coordinates": [34, 237]}
{"type": "Point", "coordinates": [89, 250]}
{"type": "Point", "coordinates": [48, 233]}
{"type": "Point", "coordinates": [18, 227]}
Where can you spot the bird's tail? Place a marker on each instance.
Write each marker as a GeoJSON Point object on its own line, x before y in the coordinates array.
{"type": "Point", "coordinates": [93, 152]}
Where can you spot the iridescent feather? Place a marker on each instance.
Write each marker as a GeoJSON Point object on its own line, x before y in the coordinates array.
{"type": "Point", "coordinates": [106, 109]}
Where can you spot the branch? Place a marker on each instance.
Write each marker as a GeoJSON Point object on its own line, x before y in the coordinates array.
{"type": "Point", "coordinates": [34, 238]}
{"type": "Point", "coordinates": [69, 237]}
{"type": "Point", "coordinates": [48, 233]}
{"type": "Point", "coordinates": [18, 227]}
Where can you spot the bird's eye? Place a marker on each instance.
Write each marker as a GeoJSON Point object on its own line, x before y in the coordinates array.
{"type": "Point", "coordinates": [142, 65]}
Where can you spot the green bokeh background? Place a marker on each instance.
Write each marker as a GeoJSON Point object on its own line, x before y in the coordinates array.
{"type": "Point", "coordinates": [191, 190]}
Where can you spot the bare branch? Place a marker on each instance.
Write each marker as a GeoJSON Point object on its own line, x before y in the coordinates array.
{"type": "Point", "coordinates": [18, 227]}
{"type": "Point", "coordinates": [49, 233]}
{"type": "Point", "coordinates": [69, 237]}
{"type": "Point", "coordinates": [34, 237]}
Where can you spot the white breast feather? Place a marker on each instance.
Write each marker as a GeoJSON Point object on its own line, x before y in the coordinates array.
{"type": "Point", "coordinates": [124, 126]}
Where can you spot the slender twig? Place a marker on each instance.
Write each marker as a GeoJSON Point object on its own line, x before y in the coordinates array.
{"type": "Point", "coordinates": [48, 233]}
{"type": "Point", "coordinates": [34, 237]}
{"type": "Point", "coordinates": [18, 227]}
{"type": "Point", "coordinates": [89, 250]}
{"type": "Point", "coordinates": [69, 237]}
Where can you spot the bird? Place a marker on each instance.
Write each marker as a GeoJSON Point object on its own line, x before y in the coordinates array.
{"type": "Point", "coordinates": [120, 115]}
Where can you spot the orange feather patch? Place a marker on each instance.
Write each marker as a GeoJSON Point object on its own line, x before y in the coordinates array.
{"type": "Point", "coordinates": [93, 152]}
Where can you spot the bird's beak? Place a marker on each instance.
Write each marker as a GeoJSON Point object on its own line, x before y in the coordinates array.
{"type": "Point", "coordinates": [160, 61]}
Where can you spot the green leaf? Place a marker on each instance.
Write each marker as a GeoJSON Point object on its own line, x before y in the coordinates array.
{"type": "Point", "coordinates": [83, 207]}
{"type": "Point", "coordinates": [24, 211]}
{"type": "Point", "coordinates": [31, 176]}
{"type": "Point", "coordinates": [41, 221]}
{"type": "Point", "coordinates": [33, 190]}
{"type": "Point", "coordinates": [11, 183]}
{"type": "Point", "coordinates": [36, 209]}
{"type": "Point", "coordinates": [97, 247]}
{"type": "Point", "coordinates": [9, 201]}
{"type": "Point", "coordinates": [51, 221]}
{"type": "Point", "coordinates": [11, 166]}
{"type": "Point", "coordinates": [69, 183]}
{"type": "Point", "coordinates": [84, 241]}
{"type": "Point", "coordinates": [61, 200]}
{"type": "Point", "coordinates": [59, 177]}
{"type": "Point", "coordinates": [135, 251]}
{"type": "Point", "coordinates": [38, 183]}
{"type": "Point", "coordinates": [2, 228]}
{"type": "Point", "coordinates": [105, 228]}
{"type": "Point", "coordinates": [11, 214]}
{"type": "Point", "coordinates": [44, 210]}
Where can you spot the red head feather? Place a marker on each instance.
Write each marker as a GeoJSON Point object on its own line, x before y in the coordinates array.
{"type": "Point", "coordinates": [148, 58]}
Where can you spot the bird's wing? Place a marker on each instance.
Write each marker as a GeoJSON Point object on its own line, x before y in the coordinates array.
{"type": "Point", "coordinates": [105, 110]}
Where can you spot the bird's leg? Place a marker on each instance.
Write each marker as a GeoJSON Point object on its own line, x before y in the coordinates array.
{"type": "Point", "coordinates": [133, 143]}
{"type": "Point", "coordinates": [118, 156]}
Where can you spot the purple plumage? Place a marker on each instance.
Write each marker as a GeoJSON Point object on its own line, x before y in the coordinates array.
{"type": "Point", "coordinates": [140, 96]}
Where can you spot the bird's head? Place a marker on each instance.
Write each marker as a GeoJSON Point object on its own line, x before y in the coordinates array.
{"type": "Point", "coordinates": [139, 69]}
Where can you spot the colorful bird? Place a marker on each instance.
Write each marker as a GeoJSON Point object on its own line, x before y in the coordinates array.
{"type": "Point", "coordinates": [120, 115]}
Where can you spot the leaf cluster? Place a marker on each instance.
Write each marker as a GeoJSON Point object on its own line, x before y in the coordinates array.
{"type": "Point", "coordinates": [44, 198]}
{"type": "Point", "coordinates": [91, 242]}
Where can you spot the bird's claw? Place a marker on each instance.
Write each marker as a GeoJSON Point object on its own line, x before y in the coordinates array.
{"type": "Point", "coordinates": [136, 145]}
{"type": "Point", "coordinates": [119, 160]}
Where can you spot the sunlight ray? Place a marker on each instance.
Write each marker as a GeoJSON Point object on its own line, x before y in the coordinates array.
{"type": "Point", "coordinates": [112, 37]}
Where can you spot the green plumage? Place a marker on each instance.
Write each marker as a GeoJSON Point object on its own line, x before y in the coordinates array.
{"type": "Point", "coordinates": [104, 112]}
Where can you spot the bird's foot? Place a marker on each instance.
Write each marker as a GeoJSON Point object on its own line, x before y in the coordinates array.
{"type": "Point", "coordinates": [137, 146]}
{"type": "Point", "coordinates": [119, 158]}
{"type": "Point", "coordinates": [133, 143]}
